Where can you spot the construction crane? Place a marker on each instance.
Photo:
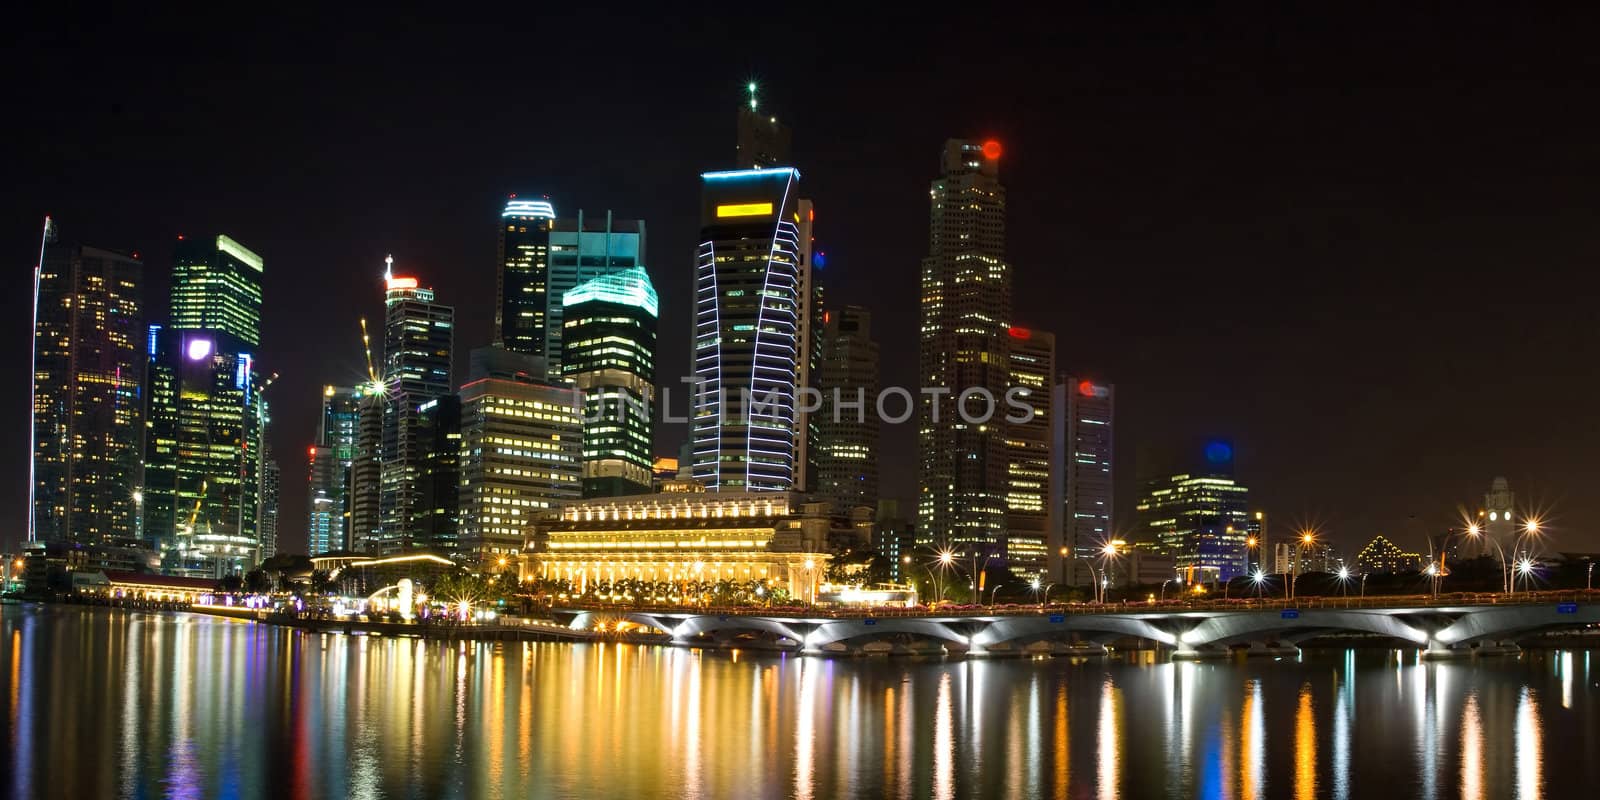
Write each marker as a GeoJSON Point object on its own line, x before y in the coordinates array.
{"type": "Point", "coordinates": [374, 383]}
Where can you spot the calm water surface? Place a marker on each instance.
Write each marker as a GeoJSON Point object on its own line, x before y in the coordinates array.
{"type": "Point", "coordinates": [102, 703]}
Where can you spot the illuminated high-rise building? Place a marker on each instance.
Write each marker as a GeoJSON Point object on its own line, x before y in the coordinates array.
{"type": "Point", "coordinates": [332, 456]}
{"type": "Point", "coordinates": [267, 500]}
{"type": "Point", "coordinates": [748, 308]}
{"type": "Point", "coordinates": [848, 453]}
{"type": "Point", "coordinates": [965, 347]}
{"type": "Point", "coordinates": [1033, 502]}
{"type": "Point", "coordinates": [203, 458]}
{"type": "Point", "coordinates": [1087, 411]}
{"type": "Point", "coordinates": [522, 284]}
{"type": "Point", "coordinates": [609, 349]}
{"type": "Point", "coordinates": [89, 364]}
{"type": "Point", "coordinates": [521, 453]}
{"type": "Point", "coordinates": [419, 334]}
{"type": "Point", "coordinates": [582, 249]}
{"type": "Point", "coordinates": [1199, 517]}
{"type": "Point", "coordinates": [364, 531]}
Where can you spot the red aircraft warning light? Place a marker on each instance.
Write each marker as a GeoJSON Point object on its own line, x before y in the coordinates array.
{"type": "Point", "coordinates": [991, 149]}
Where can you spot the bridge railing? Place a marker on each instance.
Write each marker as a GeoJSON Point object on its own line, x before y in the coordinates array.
{"type": "Point", "coordinates": [1185, 604]}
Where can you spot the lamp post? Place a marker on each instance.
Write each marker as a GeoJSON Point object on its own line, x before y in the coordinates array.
{"type": "Point", "coordinates": [1164, 589]}
{"type": "Point", "coordinates": [1258, 578]}
{"type": "Point", "coordinates": [1474, 531]}
{"type": "Point", "coordinates": [1344, 581]}
{"type": "Point", "coordinates": [1363, 585]}
{"type": "Point", "coordinates": [1094, 576]}
{"type": "Point", "coordinates": [1591, 576]}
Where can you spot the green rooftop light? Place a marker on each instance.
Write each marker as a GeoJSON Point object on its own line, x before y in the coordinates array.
{"type": "Point", "coordinates": [630, 287]}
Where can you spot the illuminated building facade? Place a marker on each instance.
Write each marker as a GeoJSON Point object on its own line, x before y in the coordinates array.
{"type": "Point", "coordinates": [965, 345]}
{"type": "Point", "coordinates": [609, 350]}
{"type": "Point", "coordinates": [418, 339]}
{"type": "Point", "coordinates": [848, 428]}
{"type": "Point", "coordinates": [581, 250]}
{"type": "Point", "coordinates": [1088, 416]}
{"type": "Point", "coordinates": [1200, 520]}
{"type": "Point", "coordinates": [89, 364]}
{"type": "Point", "coordinates": [267, 498]}
{"type": "Point", "coordinates": [1498, 523]}
{"type": "Point", "coordinates": [522, 283]}
{"type": "Point", "coordinates": [205, 419]}
{"type": "Point", "coordinates": [521, 454]}
{"type": "Point", "coordinates": [1033, 501]}
{"type": "Point", "coordinates": [366, 472]}
{"type": "Point", "coordinates": [772, 538]}
{"type": "Point", "coordinates": [332, 456]}
{"type": "Point", "coordinates": [748, 309]}
{"type": "Point", "coordinates": [1382, 556]}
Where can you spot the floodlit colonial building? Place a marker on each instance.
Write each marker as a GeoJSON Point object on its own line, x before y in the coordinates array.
{"type": "Point", "coordinates": [770, 537]}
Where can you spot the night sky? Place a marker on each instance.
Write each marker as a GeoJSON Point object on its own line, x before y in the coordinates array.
{"type": "Point", "coordinates": [1362, 248]}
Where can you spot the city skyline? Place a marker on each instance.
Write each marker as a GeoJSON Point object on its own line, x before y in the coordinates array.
{"type": "Point", "coordinates": [1402, 399]}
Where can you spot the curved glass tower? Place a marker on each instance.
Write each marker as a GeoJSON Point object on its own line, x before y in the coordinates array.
{"type": "Point", "coordinates": [747, 330]}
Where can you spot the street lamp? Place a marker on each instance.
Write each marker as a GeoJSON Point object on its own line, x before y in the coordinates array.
{"type": "Point", "coordinates": [1258, 578]}
{"type": "Point", "coordinates": [1344, 581]}
{"type": "Point", "coordinates": [1475, 531]}
{"type": "Point", "coordinates": [1525, 569]}
{"type": "Point", "coordinates": [1164, 589]}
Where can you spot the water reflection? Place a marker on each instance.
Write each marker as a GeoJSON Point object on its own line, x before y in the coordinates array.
{"type": "Point", "coordinates": [181, 706]}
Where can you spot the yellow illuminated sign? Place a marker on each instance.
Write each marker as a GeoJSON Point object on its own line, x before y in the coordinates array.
{"type": "Point", "coordinates": [745, 210]}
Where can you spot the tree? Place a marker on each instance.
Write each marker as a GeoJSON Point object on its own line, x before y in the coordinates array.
{"type": "Point", "coordinates": [257, 581]}
{"type": "Point", "coordinates": [230, 584]}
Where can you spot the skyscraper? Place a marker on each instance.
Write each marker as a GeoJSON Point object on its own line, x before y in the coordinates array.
{"type": "Point", "coordinates": [1199, 517]}
{"type": "Point", "coordinates": [203, 457]}
{"type": "Point", "coordinates": [418, 337]}
{"type": "Point", "coordinates": [523, 282]}
{"type": "Point", "coordinates": [582, 249]}
{"type": "Point", "coordinates": [332, 456]}
{"type": "Point", "coordinates": [324, 494]}
{"type": "Point", "coordinates": [965, 345]}
{"type": "Point", "coordinates": [365, 532]}
{"type": "Point", "coordinates": [609, 347]}
{"type": "Point", "coordinates": [521, 453]}
{"type": "Point", "coordinates": [1033, 502]}
{"type": "Point", "coordinates": [89, 364]}
{"type": "Point", "coordinates": [436, 523]}
{"type": "Point", "coordinates": [809, 362]}
{"type": "Point", "coordinates": [848, 427]}
{"type": "Point", "coordinates": [747, 327]}
{"type": "Point", "coordinates": [1086, 475]}
{"type": "Point", "coordinates": [267, 511]}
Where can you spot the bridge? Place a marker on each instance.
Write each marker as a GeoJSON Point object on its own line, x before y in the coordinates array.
{"type": "Point", "coordinates": [1452, 626]}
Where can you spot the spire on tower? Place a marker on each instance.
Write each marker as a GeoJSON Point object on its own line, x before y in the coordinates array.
{"type": "Point", "coordinates": [388, 267]}
{"type": "Point", "coordinates": [751, 89]}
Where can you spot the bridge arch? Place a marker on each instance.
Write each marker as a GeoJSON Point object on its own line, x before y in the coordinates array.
{"type": "Point", "coordinates": [1246, 626]}
{"type": "Point", "coordinates": [1513, 621]}
{"type": "Point", "coordinates": [1009, 630]}
{"type": "Point", "coordinates": [734, 623]}
{"type": "Point", "coordinates": [587, 620]}
{"type": "Point", "coordinates": [844, 630]}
